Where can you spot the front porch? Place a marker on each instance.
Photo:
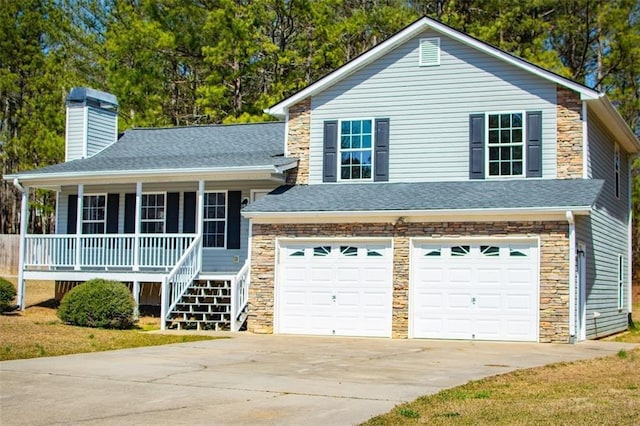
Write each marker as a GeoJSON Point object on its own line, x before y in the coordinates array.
{"type": "Point", "coordinates": [172, 262]}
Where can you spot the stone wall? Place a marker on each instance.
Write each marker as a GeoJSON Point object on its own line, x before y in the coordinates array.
{"type": "Point", "coordinates": [569, 136]}
{"type": "Point", "coordinates": [298, 141]}
{"type": "Point", "coordinates": [554, 270]}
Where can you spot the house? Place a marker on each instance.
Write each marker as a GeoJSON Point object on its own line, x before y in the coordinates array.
{"type": "Point", "coordinates": [433, 187]}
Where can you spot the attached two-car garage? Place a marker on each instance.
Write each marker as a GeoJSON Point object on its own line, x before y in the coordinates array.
{"type": "Point", "coordinates": [471, 289]}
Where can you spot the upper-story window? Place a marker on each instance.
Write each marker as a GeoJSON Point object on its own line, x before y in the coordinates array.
{"type": "Point", "coordinates": [215, 219]}
{"type": "Point", "coordinates": [153, 213]}
{"type": "Point", "coordinates": [356, 148]}
{"type": "Point", "coordinates": [93, 214]}
{"type": "Point", "coordinates": [505, 144]}
{"type": "Point", "coordinates": [616, 168]}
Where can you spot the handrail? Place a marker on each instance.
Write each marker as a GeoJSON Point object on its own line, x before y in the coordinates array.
{"type": "Point", "coordinates": [176, 283]}
{"type": "Point", "coordinates": [239, 296]}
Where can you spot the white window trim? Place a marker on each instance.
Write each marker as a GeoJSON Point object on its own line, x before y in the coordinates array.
{"type": "Point", "coordinates": [429, 64]}
{"type": "Point", "coordinates": [373, 149]}
{"type": "Point", "coordinates": [164, 207]}
{"type": "Point", "coordinates": [620, 282]}
{"type": "Point", "coordinates": [103, 221]}
{"type": "Point", "coordinates": [524, 145]}
{"type": "Point", "coordinates": [226, 218]}
{"type": "Point", "coordinates": [616, 171]}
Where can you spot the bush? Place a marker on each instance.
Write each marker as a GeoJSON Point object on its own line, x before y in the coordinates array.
{"type": "Point", "coordinates": [98, 303]}
{"type": "Point", "coordinates": [7, 294]}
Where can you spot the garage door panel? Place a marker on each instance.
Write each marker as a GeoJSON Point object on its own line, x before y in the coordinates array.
{"type": "Point", "coordinates": [347, 288]}
{"type": "Point", "coordinates": [481, 290]}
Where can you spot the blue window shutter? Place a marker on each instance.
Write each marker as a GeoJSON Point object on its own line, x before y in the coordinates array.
{"type": "Point", "coordinates": [330, 152]}
{"type": "Point", "coordinates": [476, 146]}
{"type": "Point", "coordinates": [72, 213]}
{"type": "Point", "coordinates": [381, 157]}
{"type": "Point", "coordinates": [129, 213]}
{"type": "Point", "coordinates": [113, 204]}
{"type": "Point", "coordinates": [173, 211]}
{"type": "Point", "coordinates": [534, 144]}
{"type": "Point", "coordinates": [189, 213]}
{"type": "Point", "coordinates": [234, 199]}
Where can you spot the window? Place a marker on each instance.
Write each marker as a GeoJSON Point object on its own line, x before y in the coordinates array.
{"type": "Point", "coordinates": [356, 141]}
{"type": "Point", "coordinates": [215, 219]}
{"type": "Point", "coordinates": [490, 251]}
{"type": "Point", "coordinates": [616, 168]}
{"type": "Point", "coordinates": [93, 214]}
{"type": "Point", "coordinates": [505, 144]}
{"type": "Point", "coordinates": [322, 251]}
{"type": "Point", "coordinates": [620, 282]}
{"type": "Point", "coordinates": [460, 251]}
{"type": "Point", "coordinates": [349, 251]}
{"type": "Point", "coordinates": [152, 213]}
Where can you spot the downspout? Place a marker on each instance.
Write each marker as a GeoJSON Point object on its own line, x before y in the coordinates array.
{"type": "Point", "coordinates": [572, 276]}
{"type": "Point", "coordinates": [585, 141]}
{"type": "Point", "coordinates": [24, 218]}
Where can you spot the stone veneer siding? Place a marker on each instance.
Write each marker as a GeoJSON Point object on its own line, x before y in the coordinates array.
{"type": "Point", "coordinates": [569, 134]}
{"type": "Point", "coordinates": [298, 141]}
{"type": "Point", "coordinates": [554, 265]}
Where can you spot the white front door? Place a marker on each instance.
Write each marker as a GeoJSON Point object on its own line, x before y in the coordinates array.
{"type": "Point", "coordinates": [475, 290]}
{"type": "Point", "coordinates": [335, 288]}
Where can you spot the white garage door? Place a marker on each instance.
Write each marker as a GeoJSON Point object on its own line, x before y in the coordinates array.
{"type": "Point", "coordinates": [475, 290]}
{"type": "Point", "coordinates": [329, 288]}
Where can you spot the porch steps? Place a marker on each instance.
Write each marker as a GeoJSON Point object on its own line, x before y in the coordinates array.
{"type": "Point", "coordinates": [206, 305]}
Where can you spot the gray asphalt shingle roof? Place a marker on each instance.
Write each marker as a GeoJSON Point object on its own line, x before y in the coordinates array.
{"type": "Point", "coordinates": [465, 195]}
{"type": "Point", "coordinates": [194, 147]}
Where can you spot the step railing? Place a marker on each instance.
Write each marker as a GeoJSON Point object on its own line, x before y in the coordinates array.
{"type": "Point", "coordinates": [176, 283]}
{"type": "Point", "coordinates": [239, 296]}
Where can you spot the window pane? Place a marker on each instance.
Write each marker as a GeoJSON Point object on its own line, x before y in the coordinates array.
{"type": "Point", "coordinates": [345, 127]}
{"type": "Point", "coordinates": [505, 169]}
{"type": "Point", "coordinates": [505, 136]}
{"type": "Point", "coordinates": [355, 127]}
{"type": "Point", "coordinates": [505, 153]}
{"type": "Point", "coordinates": [493, 136]}
{"type": "Point", "coordinates": [366, 126]}
{"type": "Point", "coordinates": [345, 171]}
{"type": "Point", "coordinates": [366, 172]}
{"type": "Point", "coordinates": [355, 142]}
{"type": "Point", "coordinates": [493, 153]}
{"type": "Point", "coordinates": [516, 136]}
{"type": "Point", "coordinates": [345, 142]}
{"type": "Point", "coordinates": [505, 120]}
{"type": "Point", "coordinates": [516, 120]}
{"type": "Point", "coordinates": [517, 153]}
{"type": "Point", "coordinates": [494, 169]}
{"type": "Point", "coordinates": [517, 167]}
{"type": "Point", "coordinates": [366, 141]}
{"type": "Point", "coordinates": [493, 121]}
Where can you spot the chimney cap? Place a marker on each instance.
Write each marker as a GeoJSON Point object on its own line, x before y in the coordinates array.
{"type": "Point", "coordinates": [86, 95]}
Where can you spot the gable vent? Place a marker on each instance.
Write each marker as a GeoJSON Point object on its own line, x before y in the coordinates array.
{"type": "Point", "coordinates": [429, 51]}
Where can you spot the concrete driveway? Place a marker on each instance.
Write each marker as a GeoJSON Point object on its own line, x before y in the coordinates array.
{"type": "Point", "coordinates": [252, 379]}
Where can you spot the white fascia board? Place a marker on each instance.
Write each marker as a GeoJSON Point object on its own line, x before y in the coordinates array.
{"type": "Point", "coordinates": [613, 121]}
{"type": "Point", "coordinates": [155, 175]}
{"type": "Point", "coordinates": [394, 216]}
{"type": "Point", "coordinates": [280, 109]}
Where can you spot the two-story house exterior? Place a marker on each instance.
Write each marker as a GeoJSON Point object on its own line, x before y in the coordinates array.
{"type": "Point", "coordinates": [446, 189]}
{"type": "Point", "coordinates": [433, 187]}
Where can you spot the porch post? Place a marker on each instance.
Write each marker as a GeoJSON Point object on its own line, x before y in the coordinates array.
{"type": "Point", "coordinates": [164, 303]}
{"type": "Point", "coordinates": [199, 219]}
{"type": "Point", "coordinates": [79, 226]}
{"type": "Point", "coordinates": [136, 247]}
{"type": "Point", "coordinates": [136, 298]}
{"type": "Point", "coordinates": [24, 219]}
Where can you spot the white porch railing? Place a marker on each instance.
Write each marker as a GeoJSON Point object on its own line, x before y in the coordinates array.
{"type": "Point", "coordinates": [239, 296]}
{"type": "Point", "coordinates": [180, 278]}
{"type": "Point", "coordinates": [105, 250]}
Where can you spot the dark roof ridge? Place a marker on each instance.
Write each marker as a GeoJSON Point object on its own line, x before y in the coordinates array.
{"type": "Point", "coordinates": [192, 126]}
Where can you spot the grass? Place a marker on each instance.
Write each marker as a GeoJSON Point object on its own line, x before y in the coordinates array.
{"type": "Point", "coordinates": [37, 332]}
{"type": "Point", "coordinates": [598, 391]}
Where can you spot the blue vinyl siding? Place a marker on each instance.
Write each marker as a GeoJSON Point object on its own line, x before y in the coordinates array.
{"type": "Point", "coordinates": [605, 234]}
{"type": "Point", "coordinates": [429, 108]}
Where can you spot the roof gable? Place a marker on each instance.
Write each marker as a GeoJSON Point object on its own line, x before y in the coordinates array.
{"type": "Point", "coordinates": [407, 34]}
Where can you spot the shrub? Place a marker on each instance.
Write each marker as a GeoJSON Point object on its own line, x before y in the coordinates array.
{"type": "Point", "coordinates": [7, 294]}
{"type": "Point", "coordinates": [98, 303]}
